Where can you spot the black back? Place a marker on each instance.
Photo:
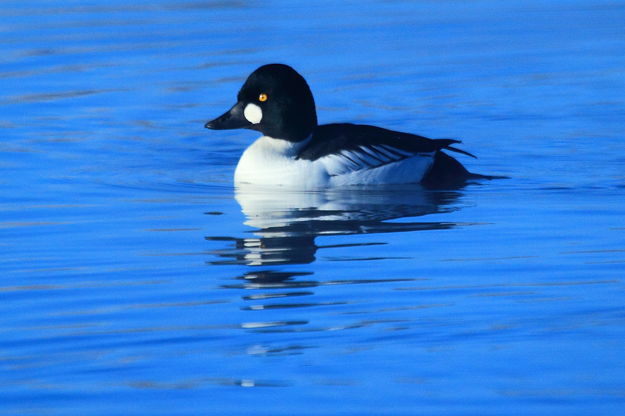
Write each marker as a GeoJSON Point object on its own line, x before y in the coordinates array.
{"type": "Point", "coordinates": [330, 139]}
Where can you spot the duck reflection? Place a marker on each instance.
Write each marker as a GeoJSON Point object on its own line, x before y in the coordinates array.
{"type": "Point", "coordinates": [287, 223]}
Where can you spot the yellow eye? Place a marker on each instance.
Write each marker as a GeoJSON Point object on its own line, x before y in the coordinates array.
{"type": "Point", "coordinates": [262, 98]}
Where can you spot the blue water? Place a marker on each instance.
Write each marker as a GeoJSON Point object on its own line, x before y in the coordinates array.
{"type": "Point", "coordinates": [136, 281]}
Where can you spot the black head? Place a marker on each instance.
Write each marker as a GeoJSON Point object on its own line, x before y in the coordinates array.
{"type": "Point", "coordinates": [274, 100]}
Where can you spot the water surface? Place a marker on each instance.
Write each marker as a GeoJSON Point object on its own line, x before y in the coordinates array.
{"type": "Point", "coordinates": [136, 280]}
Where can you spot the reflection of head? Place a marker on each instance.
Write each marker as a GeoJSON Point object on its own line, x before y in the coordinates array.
{"type": "Point", "coordinates": [270, 279]}
{"type": "Point", "coordinates": [274, 249]}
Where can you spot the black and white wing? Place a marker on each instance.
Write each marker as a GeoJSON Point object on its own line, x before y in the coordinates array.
{"type": "Point", "coordinates": [352, 147]}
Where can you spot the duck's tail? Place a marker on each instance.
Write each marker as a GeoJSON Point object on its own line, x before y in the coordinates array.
{"type": "Point", "coordinates": [447, 172]}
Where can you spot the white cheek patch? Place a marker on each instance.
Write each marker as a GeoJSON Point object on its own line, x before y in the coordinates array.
{"type": "Point", "coordinates": [253, 113]}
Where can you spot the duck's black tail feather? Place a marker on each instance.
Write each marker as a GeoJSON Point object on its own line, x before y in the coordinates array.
{"type": "Point", "coordinates": [487, 177]}
{"type": "Point", "coordinates": [447, 172]}
{"type": "Point", "coordinates": [446, 145]}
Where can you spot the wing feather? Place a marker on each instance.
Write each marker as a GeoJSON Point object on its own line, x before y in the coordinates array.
{"type": "Point", "coordinates": [351, 147]}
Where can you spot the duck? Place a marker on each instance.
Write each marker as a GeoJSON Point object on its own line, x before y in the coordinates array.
{"type": "Point", "coordinates": [294, 151]}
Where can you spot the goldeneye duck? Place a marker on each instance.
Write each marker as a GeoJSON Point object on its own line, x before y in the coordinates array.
{"type": "Point", "coordinates": [294, 151]}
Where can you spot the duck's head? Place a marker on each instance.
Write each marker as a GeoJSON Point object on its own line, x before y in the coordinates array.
{"type": "Point", "coordinates": [274, 100]}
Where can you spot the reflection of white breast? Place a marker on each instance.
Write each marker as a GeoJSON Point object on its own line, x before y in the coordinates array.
{"type": "Point", "coordinates": [270, 207]}
{"type": "Point", "coordinates": [267, 207]}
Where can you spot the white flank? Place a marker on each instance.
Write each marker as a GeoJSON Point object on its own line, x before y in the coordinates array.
{"type": "Point", "coordinates": [409, 170]}
{"type": "Point", "coordinates": [253, 113]}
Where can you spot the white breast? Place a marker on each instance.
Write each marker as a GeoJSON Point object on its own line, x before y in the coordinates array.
{"type": "Point", "coordinates": [272, 162]}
